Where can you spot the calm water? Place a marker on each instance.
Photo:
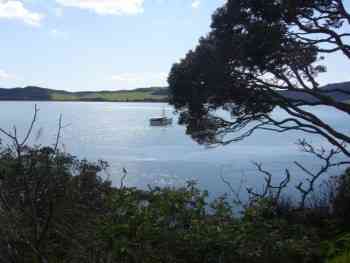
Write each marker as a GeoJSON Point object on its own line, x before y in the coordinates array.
{"type": "Point", "coordinates": [120, 134]}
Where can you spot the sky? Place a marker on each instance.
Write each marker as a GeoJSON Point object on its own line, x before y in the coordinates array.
{"type": "Point", "coordinates": [81, 45]}
{"type": "Point", "coordinates": [97, 44]}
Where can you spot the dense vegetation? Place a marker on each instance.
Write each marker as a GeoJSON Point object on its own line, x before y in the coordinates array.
{"type": "Point", "coordinates": [152, 94]}
{"type": "Point", "coordinates": [56, 208]}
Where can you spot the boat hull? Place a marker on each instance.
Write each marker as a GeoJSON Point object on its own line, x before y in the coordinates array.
{"type": "Point", "coordinates": [161, 121]}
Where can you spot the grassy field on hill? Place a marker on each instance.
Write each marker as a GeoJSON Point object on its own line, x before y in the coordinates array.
{"type": "Point", "coordinates": [152, 94]}
{"type": "Point", "coordinates": [143, 95]}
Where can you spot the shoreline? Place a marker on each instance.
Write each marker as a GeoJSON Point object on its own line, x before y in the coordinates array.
{"type": "Point", "coordinates": [117, 101]}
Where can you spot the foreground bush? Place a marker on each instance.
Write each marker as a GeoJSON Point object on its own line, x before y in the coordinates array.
{"type": "Point", "coordinates": [167, 225]}
{"type": "Point", "coordinates": [55, 208]}
{"type": "Point", "coordinates": [49, 206]}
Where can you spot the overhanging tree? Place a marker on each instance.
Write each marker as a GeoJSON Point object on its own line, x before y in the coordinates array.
{"type": "Point", "coordinates": [262, 54]}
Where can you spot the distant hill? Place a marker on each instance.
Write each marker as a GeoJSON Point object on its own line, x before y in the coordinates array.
{"type": "Point", "coordinates": [152, 94]}
{"type": "Point", "coordinates": [339, 91]}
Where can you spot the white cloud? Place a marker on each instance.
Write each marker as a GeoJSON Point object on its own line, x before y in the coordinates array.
{"type": "Point", "coordinates": [196, 3]}
{"type": "Point", "coordinates": [107, 7]}
{"type": "Point", "coordinates": [142, 79]}
{"type": "Point", "coordinates": [13, 9]}
{"type": "Point", "coordinates": [4, 75]}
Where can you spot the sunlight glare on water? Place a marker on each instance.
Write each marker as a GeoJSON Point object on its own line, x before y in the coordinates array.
{"type": "Point", "coordinates": [120, 134]}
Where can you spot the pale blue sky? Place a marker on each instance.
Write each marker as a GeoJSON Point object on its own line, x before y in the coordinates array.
{"type": "Point", "coordinates": [104, 44]}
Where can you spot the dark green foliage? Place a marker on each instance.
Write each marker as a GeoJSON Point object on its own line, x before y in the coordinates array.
{"type": "Point", "coordinates": [260, 55]}
{"type": "Point", "coordinates": [55, 208]}
{"type": "Point", "coordinates": [341, 201]}
{"type": "Point", "coordinates": [248, 39]}
{"type": "Point", "coordinates": [46, 213]}
{"type": "Point", "coordinates": [168, 225]}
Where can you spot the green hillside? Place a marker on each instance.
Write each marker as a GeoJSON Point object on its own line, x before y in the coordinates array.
{"type": "Point", "coordinates": [156, 94]}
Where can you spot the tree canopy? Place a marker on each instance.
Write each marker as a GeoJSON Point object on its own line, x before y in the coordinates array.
{"type": "Point", "coordinates": [262, 54]}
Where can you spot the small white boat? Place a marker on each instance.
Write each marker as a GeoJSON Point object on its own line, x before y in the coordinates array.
{"type": "Point", "coordinates": [161, 121]}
